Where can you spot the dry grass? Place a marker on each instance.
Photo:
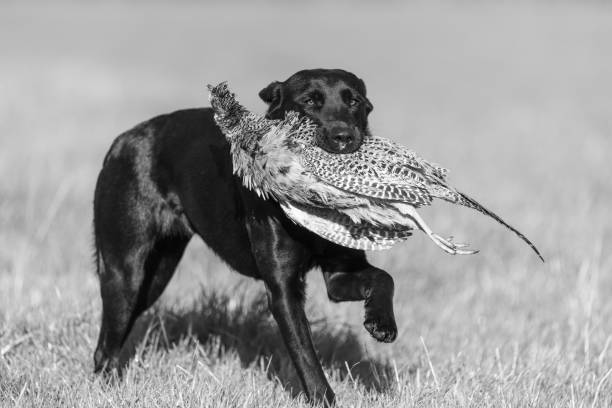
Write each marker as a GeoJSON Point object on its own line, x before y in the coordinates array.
{"type": "Point", "coordinates": [515, 99]}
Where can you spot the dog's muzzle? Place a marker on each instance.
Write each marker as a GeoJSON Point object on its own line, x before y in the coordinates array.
{"type": "Point", "coordinates": [339, 138]}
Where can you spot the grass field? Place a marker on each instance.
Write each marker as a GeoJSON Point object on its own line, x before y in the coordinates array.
{"type": "Point", "coordinates": [516, 100]}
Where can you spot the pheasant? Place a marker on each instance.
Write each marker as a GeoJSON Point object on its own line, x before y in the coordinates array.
{"type": "Point", "coordinates": [367, 199]}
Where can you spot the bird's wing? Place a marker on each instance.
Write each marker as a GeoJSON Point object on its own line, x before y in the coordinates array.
{"type": "Point", "coordinates": [361, 174]}
{"type": "Point", "coordinates": [397, 159]}
{"type": "Point", "coordinates": [339, 229]}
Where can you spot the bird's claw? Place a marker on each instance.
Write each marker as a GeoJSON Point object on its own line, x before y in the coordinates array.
{"type": "Point", "coordinates": [450, 239]}
{"type": "Point", "coordinates": [451, 247]}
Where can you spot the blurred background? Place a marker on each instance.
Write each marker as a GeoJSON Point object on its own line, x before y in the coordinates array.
{"type": "Point", "coordinates": [514, 98]}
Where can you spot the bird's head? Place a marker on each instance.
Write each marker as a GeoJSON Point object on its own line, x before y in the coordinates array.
{"type": "Point", "coordinates": [228, 111]}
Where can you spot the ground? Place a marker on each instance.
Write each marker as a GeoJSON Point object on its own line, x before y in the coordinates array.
{"type": "Point", "coordinates": [515, 99]}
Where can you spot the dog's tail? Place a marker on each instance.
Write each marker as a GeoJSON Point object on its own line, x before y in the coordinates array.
{"type": "Point", "coordinates": [97, 258]}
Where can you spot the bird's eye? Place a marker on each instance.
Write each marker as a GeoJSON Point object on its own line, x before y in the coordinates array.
{"type": "Point", "coordinates": [353, 102]}
{"type": "Point", "coordinates": [309, 102]}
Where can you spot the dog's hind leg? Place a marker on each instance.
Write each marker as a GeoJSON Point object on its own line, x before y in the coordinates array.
{"type": "Point", "coordinates": [129, 285]}
{"type": "Point", "coordinates": [120, 282]}
{"type": "Point", "coordinates": [140, 237]}
{"type": "Point", "coordinates": [349, 277]}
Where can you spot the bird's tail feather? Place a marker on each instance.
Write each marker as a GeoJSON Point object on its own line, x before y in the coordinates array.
{"type": "Point", "coordinates": [471, 203]}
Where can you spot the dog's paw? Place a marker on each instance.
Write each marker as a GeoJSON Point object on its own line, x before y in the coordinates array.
{"type": "Point", "coordinates": [382, 328]}
{"type": "Point", "coordinates": [107, 367]}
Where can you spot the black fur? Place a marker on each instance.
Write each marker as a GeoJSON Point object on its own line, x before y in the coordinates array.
{"type": "Point", "coordinates": [171, 177]}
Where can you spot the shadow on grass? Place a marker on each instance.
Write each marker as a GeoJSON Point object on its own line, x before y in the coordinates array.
{"type": "Point", "coordinates": [245, 327]}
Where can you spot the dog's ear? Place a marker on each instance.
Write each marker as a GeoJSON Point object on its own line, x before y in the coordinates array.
{"type": "Point", "coordinates": [363, 92]}
{"type": "Point", "coordinates": [273, 96]}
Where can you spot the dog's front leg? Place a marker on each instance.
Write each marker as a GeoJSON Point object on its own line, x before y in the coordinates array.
{"type": "Point", "coordinates": [282, 263]}
{"type": "Point", "coordinates": [349, 277]}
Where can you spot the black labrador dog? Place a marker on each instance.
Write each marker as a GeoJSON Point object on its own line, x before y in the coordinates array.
{"type": "Point", "coordinates": [171, 177]}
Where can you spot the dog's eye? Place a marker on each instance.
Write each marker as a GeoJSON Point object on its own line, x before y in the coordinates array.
{"type": "Point", "coordinates": [353, 102]}
{"type": "Point", "coordinates": [309, 102]}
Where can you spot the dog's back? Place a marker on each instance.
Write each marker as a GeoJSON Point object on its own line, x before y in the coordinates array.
{"type": "Point", "coordinates": [163, 172]}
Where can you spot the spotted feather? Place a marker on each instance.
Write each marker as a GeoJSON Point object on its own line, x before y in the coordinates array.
{"type": "Point", "coordinates": [339, 229]}
{"type": "Point", "coordinates": [366, 199]}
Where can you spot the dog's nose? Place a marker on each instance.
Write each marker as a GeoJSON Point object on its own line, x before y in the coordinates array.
{"type": "Point", "coordinates": [341, 138]}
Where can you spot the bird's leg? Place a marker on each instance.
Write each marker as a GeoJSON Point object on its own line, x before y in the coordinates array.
{"type": "Point", "coordinates": [447, 245]}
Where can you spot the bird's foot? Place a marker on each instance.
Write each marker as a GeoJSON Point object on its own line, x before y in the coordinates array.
{"type": "Point", "coordinates": [453, 248]}
{"type": "Point", "coordinates": [456, 244]}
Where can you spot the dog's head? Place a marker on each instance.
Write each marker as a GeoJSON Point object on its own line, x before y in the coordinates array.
{"type": "Point", "coordinates": [334, 99]}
